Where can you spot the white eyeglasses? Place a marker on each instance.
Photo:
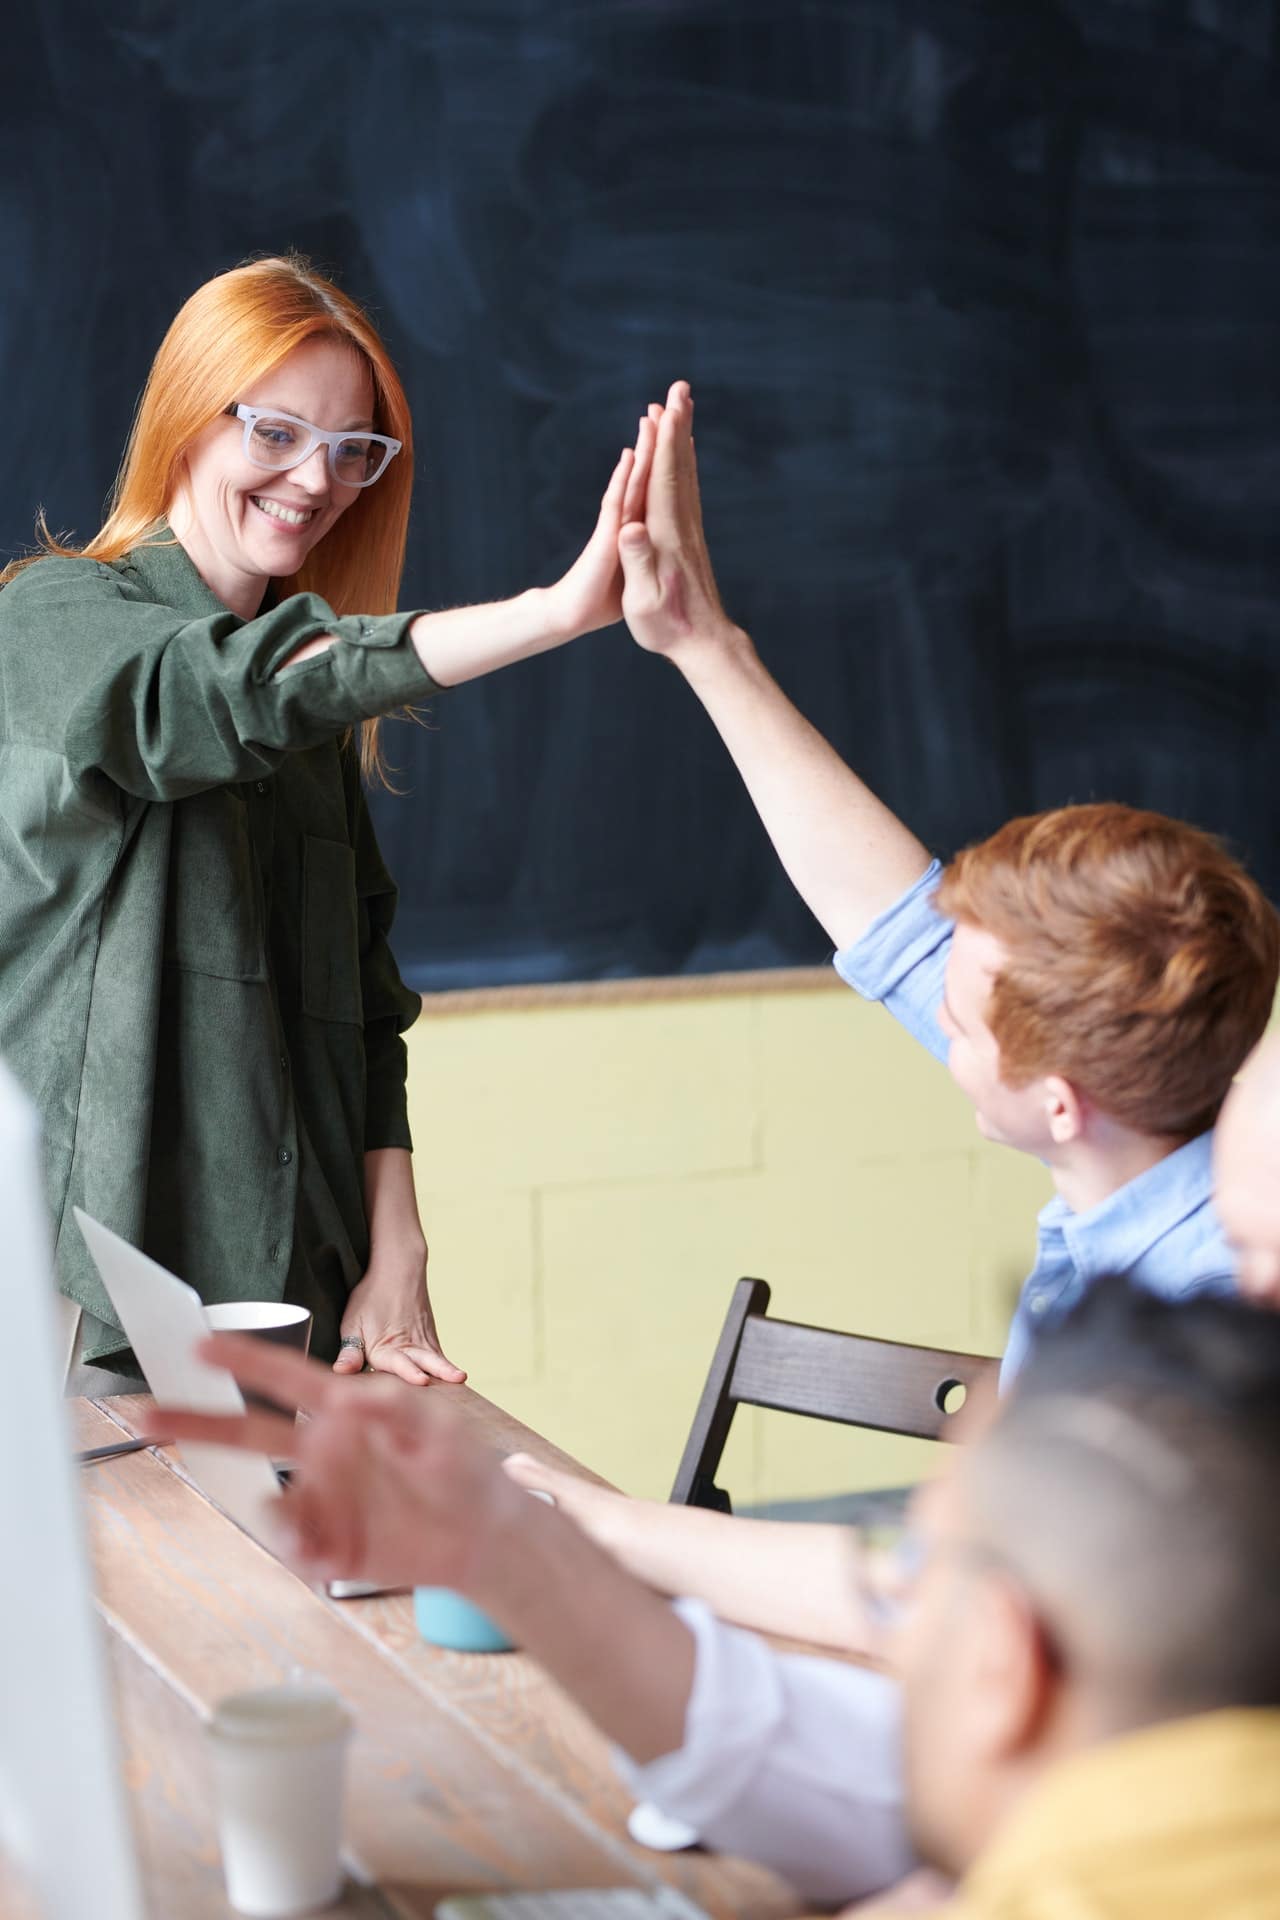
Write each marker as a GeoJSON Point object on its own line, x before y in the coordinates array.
{"type": "Point", "coordinates": [280, 441]}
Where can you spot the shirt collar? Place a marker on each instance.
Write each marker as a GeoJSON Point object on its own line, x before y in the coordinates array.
{"type": "Point", "coordinates": [1140, 1799]}
{"type": "Point", "coordinates": [1113, 1236]}
{"type": "Point", "coordinates": [169, 574]}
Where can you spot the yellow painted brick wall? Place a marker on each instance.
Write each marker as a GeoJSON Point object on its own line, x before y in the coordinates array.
{"type": "Point", "coordinates": [594, 1177]}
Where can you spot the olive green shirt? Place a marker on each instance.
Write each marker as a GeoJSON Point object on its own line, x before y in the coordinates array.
{"type": "Point", "coordinates": [196, 985]}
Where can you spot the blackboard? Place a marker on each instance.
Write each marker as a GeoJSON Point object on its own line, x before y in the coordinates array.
{"type": "Point", "coordinates": [981, 306]}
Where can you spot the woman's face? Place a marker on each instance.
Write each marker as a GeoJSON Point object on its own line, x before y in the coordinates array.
{"type": "Point", "coordinates": [243, 525]}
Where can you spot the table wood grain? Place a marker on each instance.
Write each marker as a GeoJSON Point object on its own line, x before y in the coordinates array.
{"type": "Point", "coordinates": [468, 1772]}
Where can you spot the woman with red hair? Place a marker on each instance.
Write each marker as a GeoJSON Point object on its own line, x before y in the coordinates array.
{"type": "Point", "coordinates": [195, 978]}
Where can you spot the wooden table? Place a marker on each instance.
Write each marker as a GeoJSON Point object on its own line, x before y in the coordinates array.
{"type": "Point", "coordinates": [467, 1772]}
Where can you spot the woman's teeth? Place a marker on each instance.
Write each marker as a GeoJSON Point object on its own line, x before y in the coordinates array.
{"type": "Point", "coordinates": [292, 516]}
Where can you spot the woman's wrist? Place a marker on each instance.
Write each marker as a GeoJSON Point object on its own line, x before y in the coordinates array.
{"type": "Point", "coordinates": [466, 642]}
{"type": "Point", "coordinates": [403, 1254]}
{"type": "Point", "coordinates": [547, 618]}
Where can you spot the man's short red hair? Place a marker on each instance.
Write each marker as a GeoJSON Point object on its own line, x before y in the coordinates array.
{"type": "Point", "coordinates": [1142, 959]}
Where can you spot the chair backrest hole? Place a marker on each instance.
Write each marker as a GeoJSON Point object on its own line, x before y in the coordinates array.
{"type": "Point", "coordinates": [950, 1395]}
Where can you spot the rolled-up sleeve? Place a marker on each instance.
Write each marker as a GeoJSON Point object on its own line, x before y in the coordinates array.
{"type": "Point", "coordinates": [901, 960]}
{"type": "Point", "coordinates": [789, 1760]}
{"type": "Point", "coordinates": [166, 706]}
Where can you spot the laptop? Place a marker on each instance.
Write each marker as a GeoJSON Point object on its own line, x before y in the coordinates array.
{"type": "Point", "coordinates": [64, 1822]}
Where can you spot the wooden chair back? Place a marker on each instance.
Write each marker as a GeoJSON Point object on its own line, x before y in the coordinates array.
{"type": "Point", "coordinates": [883, 1384]}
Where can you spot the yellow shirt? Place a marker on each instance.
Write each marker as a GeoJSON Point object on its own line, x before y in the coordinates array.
{"type": "Point", "coordinates": [1178, 1822]}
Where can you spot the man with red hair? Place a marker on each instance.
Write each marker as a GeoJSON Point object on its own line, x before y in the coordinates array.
{"type": "Point", "coordinates": [1093, 977]}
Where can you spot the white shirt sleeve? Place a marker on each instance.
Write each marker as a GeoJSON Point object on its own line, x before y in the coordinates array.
{"type": "Point", "coordinates": [787, 1759]}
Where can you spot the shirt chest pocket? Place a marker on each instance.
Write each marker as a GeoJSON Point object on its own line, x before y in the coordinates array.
{"type": "Point", "coordinates": [330, 933]}
{"type": "Point", "coordinates": [214, 916]}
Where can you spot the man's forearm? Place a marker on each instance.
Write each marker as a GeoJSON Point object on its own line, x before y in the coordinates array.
{"type": "Point", "coordinates": [771, 1575]}
{"type": "Point", "coordinates": [847, 855]}
{"type": "Point", "coordinates": [611, 1643]}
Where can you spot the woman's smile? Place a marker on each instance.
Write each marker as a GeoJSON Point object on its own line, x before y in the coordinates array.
{"type": "Point", "coordinates": [283, 514]}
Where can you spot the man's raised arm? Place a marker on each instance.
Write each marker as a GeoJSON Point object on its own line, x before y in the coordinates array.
{"type": "Point", "coordinates": [847, 855]}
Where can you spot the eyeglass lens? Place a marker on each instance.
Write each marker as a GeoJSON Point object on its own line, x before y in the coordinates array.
{"type": "Point", "coordinates": [356, 458]}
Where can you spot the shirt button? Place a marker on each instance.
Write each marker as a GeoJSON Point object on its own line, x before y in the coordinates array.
{"type": "Point", "coordinates": [262, 786]}
{"type": "Point", "coordinates": [284, 1156]}
{"type": "Point", "coordinates": [284, 1063]}
{"type": "Point", "coordinates": [273, 1251]}
{"type": "Point", "coordinates": [1040, 1304]}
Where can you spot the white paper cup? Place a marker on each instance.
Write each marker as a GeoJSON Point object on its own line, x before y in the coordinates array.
{"type": "Point", "coordinates": [278, 1757]}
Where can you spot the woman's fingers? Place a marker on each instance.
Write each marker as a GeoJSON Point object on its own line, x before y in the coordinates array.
{"type": "Point", "coordinates": [414, 1361]}
{"type": "Point", "coordinates": [432, 1361]}
{"type": "Point", "coordinates": [601, 547]}
{"type": "Point", "coordinates": [615, 492]}
{"type": "Point", "coordinates": [397, 1361]}
{"type": "Point", "coordinates": [638, 481]}
{"type": "Point", "coordinates": [609, 518]}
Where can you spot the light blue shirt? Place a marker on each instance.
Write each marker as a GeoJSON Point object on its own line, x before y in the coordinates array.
{"type": "Point", "coordinates": [1160, 1229]}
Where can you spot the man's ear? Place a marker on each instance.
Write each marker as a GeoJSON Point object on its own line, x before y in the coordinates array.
{"type": "Point", "coordinates": [1065, 1110]}
{"type": "Point", "coordinates": [1015, 1672]}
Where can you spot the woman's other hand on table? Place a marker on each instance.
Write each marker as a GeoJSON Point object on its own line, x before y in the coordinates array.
{"type": "Point", "coordinates": [389, 1326]}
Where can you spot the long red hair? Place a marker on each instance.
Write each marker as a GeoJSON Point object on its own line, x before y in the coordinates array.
{"type": "Point", "coordinates": [229, 334]}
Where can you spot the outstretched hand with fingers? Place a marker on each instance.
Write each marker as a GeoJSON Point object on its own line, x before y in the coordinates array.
{"type": "Point", "coordinates": [670, 599]}
{"type": "Point", "coordinates": [389, 1484]}
{"type": "Point", "coordinates": [589, 595]}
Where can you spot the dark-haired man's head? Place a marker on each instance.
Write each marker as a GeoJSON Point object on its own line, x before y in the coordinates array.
{"type": "Point", "coordinates": [1103, 1557]}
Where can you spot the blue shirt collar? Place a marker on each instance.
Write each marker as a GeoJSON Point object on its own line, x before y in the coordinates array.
{"type": "Point", "coordinates": [1113, 1236]}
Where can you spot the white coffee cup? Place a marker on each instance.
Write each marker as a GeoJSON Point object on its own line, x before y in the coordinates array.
{"type": "Point", "coordinates": [278, 1757]}
{"type": "Point", "coordinates": [275, 1321]}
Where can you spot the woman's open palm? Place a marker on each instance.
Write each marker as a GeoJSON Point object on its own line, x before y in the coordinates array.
{"type": "Point", "coordinates": [589, 595]}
